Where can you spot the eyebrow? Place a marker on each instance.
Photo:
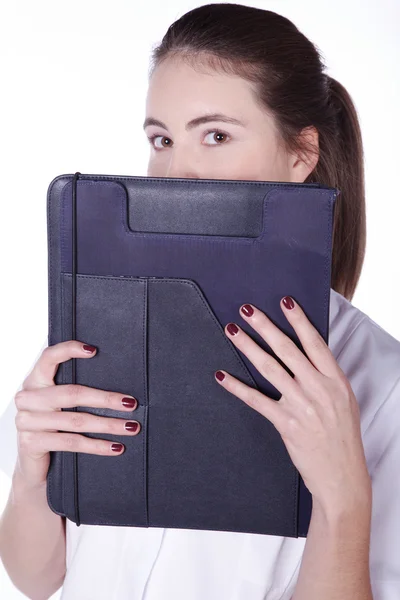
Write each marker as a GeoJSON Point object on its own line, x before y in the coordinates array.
{"type": "Point", "coordinates": [197, 121]}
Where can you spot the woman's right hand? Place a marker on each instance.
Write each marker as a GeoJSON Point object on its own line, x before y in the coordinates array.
{"type": "Point", "coordinates": [39, 415]}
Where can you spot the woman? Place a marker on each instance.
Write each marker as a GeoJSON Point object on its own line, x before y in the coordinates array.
{"type": "Point", "coordinates": [275, 116]}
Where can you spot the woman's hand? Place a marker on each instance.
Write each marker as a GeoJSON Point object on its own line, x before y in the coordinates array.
{"type": "Point", "coordinates": [43, 427]}
{"type": "Point", "coordinates": [317, 415]}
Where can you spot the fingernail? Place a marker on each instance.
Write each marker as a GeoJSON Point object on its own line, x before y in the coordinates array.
{"type": "Point", "coordinates": [131, 426]}
{"type": "Point", "coordinates": [88, 348]}
{"type": "Point", "coordinates": [116, 447]}
{"type": "Point", "coordinates": [231, 327]}
{"type": "Point", "coordinates": [288, 302]}
{"type": "Point", "coordinates": [220, 375]}
{"type": "Point", "coordinates": [247, 310]}
{"type": "Point", "coordinates": [129, 402]}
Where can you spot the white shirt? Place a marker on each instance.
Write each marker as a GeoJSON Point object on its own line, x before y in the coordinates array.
{"type": "Point", "coordinates": [138, 563]}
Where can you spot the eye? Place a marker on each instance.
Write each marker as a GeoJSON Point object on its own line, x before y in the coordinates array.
{"type": "Point", "coordinates": [218, 135]}
{"type": "Point", "coordinates": [153, 137]}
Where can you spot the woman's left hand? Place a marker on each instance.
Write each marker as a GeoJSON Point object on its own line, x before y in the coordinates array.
{"type": "Point", "coordinates": [317, 415]}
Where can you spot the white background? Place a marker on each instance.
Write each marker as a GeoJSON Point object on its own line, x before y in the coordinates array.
{"type": "Point", "coordinates": [73, 81]}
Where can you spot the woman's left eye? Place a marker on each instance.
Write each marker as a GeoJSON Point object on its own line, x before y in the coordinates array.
{"type": "Point", "coordinates": [217, 134]}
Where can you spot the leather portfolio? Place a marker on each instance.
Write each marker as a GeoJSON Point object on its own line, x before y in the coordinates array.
{"type": "Point", "coordinates": [150, 270]}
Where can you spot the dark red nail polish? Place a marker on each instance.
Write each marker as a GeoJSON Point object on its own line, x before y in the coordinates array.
{"type": "Point", "coordinates": [129, 402]}
{"type": "Point", "coordinates": [116, 447]}
{"type": "Point", "coordinates": [232, 328]}
{"type": "Point", "coordinates": [247, 310]}
{"type": "Point", "coordinates": [131, 426]}
{"type": "Point", "coordinates": [288, 302]}
{"type": "Point", "coordinates": [220, 375]}
{"type": "Point", "coordinates": [88, 348]}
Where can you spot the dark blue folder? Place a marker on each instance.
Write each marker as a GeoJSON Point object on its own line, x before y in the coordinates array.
{"type": "Point", "coordinates": [150, 270]}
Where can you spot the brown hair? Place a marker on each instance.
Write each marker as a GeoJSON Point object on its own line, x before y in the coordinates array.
{"type": "Point", "coordinates": [287, 72]}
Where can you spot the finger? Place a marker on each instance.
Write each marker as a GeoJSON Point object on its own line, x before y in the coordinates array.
{"type": "Point", "coordinates": [266, 406]}
{"type": "Point", "coordinates": [280, 343]}
{"type": "Point", "coordinates": [266, 364]}
{"type": "Point", "coordinates": [46, 366]}
{"type": "Point", "coordinates": [70, 395]}
{"type": "Point", "coordinates": [80, 422]}
{"type": "Point", "coordinates": [37, 444]}
{"type": "Point", "coordinates": [312, 341]}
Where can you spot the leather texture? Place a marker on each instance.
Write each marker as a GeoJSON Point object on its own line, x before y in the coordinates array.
{"type": "Point", "coordinates": [163, 264]}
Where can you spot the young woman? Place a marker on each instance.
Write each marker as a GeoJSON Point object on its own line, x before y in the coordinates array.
{"type": "Point", "coordinates": [237, 92]}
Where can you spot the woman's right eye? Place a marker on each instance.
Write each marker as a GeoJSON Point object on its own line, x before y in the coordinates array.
{"type": "Point", "coordinates": [153, 137]}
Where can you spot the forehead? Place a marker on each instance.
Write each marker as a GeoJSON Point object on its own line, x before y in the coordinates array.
{"type": "Point", "coordinates": [175, 80]}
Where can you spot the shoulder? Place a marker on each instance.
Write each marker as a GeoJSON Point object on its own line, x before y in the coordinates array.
{"type": "Point", "coordinates": [356, 340]}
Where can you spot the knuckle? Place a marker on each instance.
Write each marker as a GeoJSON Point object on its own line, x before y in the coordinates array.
{"type": "Point", "coordinates": [74, 392]}
{"type": "Point", "coordinates": [344, 386]}
{"type": "Point", "coordinates": [282, 401]}
{"type": "Point", "coordinates": [46, 355]}
{"type": "Point", "coordinates": [252, 400]}
{"type": "Point", "coordinates": [77, 421]}
{"type": "Point", "coordinates": [288, 427]}
{"type": "Point", "coordinates": [21, 419]}
{"type": "Point", "coordinates": [106, 425]}
{"type": "Point", "coordinates": [268, 365]}
{"type": "Point", "coordinates": [316, 342]}
{"type": "Point", "coordinates": [25, 439]}
{"type": "Point", "coordinates": [67, 344]}
{"type": "Point", "coordinates": [286, 349]}
{"type": "Point", "coordinates": [46, 350]}
{"type": "Point", "coordinates": [310, 410]}
{"type": "Point", "coordinates": [113, 425]}
{"type": "Point", "coordinates": [101, 446]}
{"type": "Point", "coordinates": [70, 441]}
{"type": "Point", "coordinates": [109, 399]}
{"type": "Point", "coordinates": [74, 346]}
{"type": "Point", "coordinates": [19, 398]}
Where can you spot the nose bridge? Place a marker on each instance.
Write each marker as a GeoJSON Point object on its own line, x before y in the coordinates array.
{"type": "Point", "coordinates": [182, 163]}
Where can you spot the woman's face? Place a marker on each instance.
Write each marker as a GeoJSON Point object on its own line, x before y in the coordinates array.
{"type": "Point", "coordinates": [247, 149]}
